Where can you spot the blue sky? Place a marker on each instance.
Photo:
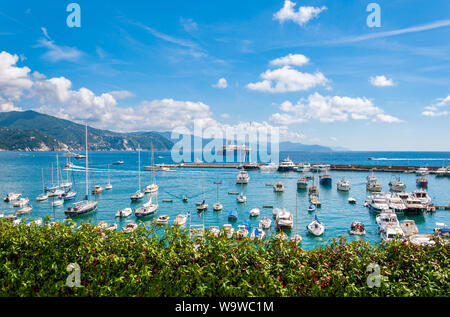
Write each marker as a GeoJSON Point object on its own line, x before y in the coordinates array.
{"type": "Point", "coordinates": [321, 74]}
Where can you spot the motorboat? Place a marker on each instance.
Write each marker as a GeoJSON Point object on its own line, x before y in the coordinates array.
{"type": "Point", "coordinates": [242, 231]}
{"type": "Point", "coordinates": [352, 200]}
{"type": "Point", "coordinates": [396, 204]}
{"type": "Point", "coordinates": [275, 212]}
{"type": "Point", "coordinates": [58, 202]}
{"type": "Point", "coordinates": [278, 187]}
{"type": "Point", "coordinates": [255, 212]}
{"type": "Point", "coordinates": [385, 218]}
{"type": "Point", "coordinates": [441, 172]}
{"type": "Point", "coordinates": [270, 167]}
{"type": "Point", "coordinates": [409, 227]}
{"type": "Point", "coordinates": [391, 231]}
{"type": "Point", "coordinates": [118, 163]}
{"type": "Point", "coordinates": [302, 183]}
{"type": "Point", "coordinates": [227, 230]}
{"type": "Point", "coordinates": [303, 167]}
{"type": "Point", "coordinates": [152, 188]}
{"type": "Point", "coordinates": [372, 184]}
{"type": "Point", "coordinates": [414, 205]}
{"type": "Point", "coordinates": [68, 195]}
{"type": "Point", "coordinates": [232, 215]}
{"type": "Point", "coordinates": [397, 185]}
{"type": "Point", "coordinates": [311, 208]}
{"type": "Point", "coordinates": [325, 180]}
{"type": "Point", "coordinates": [203, 206]}
{"type": "Point", "coordinates": [80, 208]}
{"type": "Point", "coordinates": [378, 204]}
{"type": "Point", "coordinates": [25, 210]}
{"type": "Point", "coordinates": [241, 198]}
{"type": "Point", "coordinates": [286, 165]}
{"type": "Point", "coordinates": [42, 197]}
{"type": "Point", "coordinates": [97, 190]}
{"type": "Point", "coordinates": [217, 206]}
{"type": "Point", "coordinates": [316, 228]}
{"type": "Point", "coordinates": [185, 199]}
{"type": "Point", "coordinates": [123, 213]}
{"type": "Point", "coordinates": [249, 166]}
{"type": "Point", "coordinates": [265, 223]}
{"type": "Point", "coordinates": [242, 177]}
{"type": "Point", "coordinates": [357, 228]}
{"type": "Point", "coordinates": [314, 200]}
{"type": "Point", "coordinates": [422, 171]}
{"type": "Point", "coordinates": [422, 181]}
{"type": "Point", "coordinates": [257, 234]}
{"type": "Point", "coordinates": [422, 239]}
{"type": "Point", "coordinates": [284, 220]}
{"type": "Point", "coordinates": [21, 202]}
{"type": "Point", "coordinates": [343, 185]}
{"type": "Point", "coordinates": [163, 220]}
{"type": "Point", "coordinates": [180, 220]}
{"type": "Point", "coordinates": [442, 230]}
{"type": "Point", "coordinates": [130, 227]}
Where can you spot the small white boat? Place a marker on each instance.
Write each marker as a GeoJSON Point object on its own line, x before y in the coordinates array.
{"type": "Point", "coordinates": [180, 220]}
{"type": "Point", "coordinates": [270, 167]}
{"type": "Point", "coordinates": [203, 206]}
{"type": "Point", "coordinates": [42, 197]}
{"type": "Point", "coordinates": [316, 227]}
{"type": "Point", "coordinates": [284, 220]}
{"type": "Point", "coordinates": [397, 185]}
{"type": "Point", "coordinates": [357, 228]}
{"type": "Point", "coordinates": [130, 227]}
{"type": "Point", "coordinates": [343, 185]}
{"type": "Point", "coordinates": [422, 239]}
{"type": "Point", "coordinates": [352, 200]}
{"type": "Point", "coordinates": [25, 210]}
{"type": "Point", "coordinates": [422, 171]}
{"type": "Point", "coordinates": [21, 202]}
{"type": "Point", "coordinates": [441, 172]}
{"type": "Point", "coordinates": [152, 188]}
{"type": "Point", "coordinates": [55, 192]}
{"type": "Point", "coordinates": [391, 231]}
{"type": "Point", "coordinates": [137, 196]}
{"type": "Point", "coordinates": [242, 231]}
{"type": "Point", "coordinates": [12, 197]}
{"type": "Point", "coordinates": [163, 220]}
{"type": "Point", "coordinates": [409, 227]}
{"type": "Point", "coordinates": [241, 198]}
{"type": "Point", "coordinates": [217, 206]}
{"type": "Point", "coordinates": [265, 223]}
{"type": "Point", "coordinates": [57, 202]}
{"type": "Point", "coordinates": [278, 187]}
{"type": "Point", "coordinates": [242, 177]}
{"type": "Point", "coordinates": [255, 212]}
{"type": "Point", "coordinates": [108, 187]}
{"type": "Point", "coordinates": [227, 230]}
{"type": "Point", "coordinates": [123, 213]}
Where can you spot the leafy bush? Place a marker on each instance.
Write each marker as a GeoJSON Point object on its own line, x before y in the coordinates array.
{"type": "Point", "coordinates": [34, 260]}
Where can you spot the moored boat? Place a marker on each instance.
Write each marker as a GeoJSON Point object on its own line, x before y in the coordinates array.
{"type": "Point", "coordinates": [278, 187]}
{"type": "Point", "coordinates": [357, 228]}
{"type": "Point", "coordinates": [343, 185]}
{"type": "Point", "coordinates": [123, 213]}
{"type": "Point", "coordinates": [286, 165]}
{"type": "Point", "coordinates": [302, 183]}
{"type": "Point", "coordinates": [316, 228]}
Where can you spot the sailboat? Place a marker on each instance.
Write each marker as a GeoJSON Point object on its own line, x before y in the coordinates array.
{"type": "Point", "coordinates": [55, 190]}
{"type": "Point", "coordinates": [139, 194]}
{"type": "Point", "coordinates": [148, 209]}
{"type": "Point", "coordinates": [203, 206]}
{"type": "Point", "coordinates": [217, 206]}
{"type": "Point", "coordinates": [44, 195]}
{"type": "Point", "coordinates": [153, 187]}
{"type": "Point", "coordinates": [316, 227]}
{"type": "Point", "coordinates": [108, 186]}
{"type": "Point", "coordinates": [67, 183]}
{"type": "Point", "coordinates": [85, 206]}
{"type": "Point", "coordinates": [242, 198]}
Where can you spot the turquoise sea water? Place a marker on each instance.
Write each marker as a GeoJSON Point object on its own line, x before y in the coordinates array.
{"type": "Point", "coordinates": [21, 172]}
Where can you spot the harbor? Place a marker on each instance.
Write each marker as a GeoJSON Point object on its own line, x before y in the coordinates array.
{"type": "Point", "coordinates": [183, 188]}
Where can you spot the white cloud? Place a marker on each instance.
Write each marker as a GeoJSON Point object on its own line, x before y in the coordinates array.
{"type": "Point", "coordinates": [333, 138]}
{"type": "Point", "coordinates": [57, 53]}
{"type": "Point", "coordinates": [9, 106]}
{"type": "Point", "coordinates": [287, 79]}
{"type": "Point", "coordinates": [433, 111]}
{"type": "Point", "coordinates": [222, 83]}
{"type": "Point", "coordinates": [443, 102]}
{"type": "Point", "coordinates": [44, 31]}
{"type": "Point", "coordinates": [429, 113]}
{"type": "Point", "coordinates": [301, 16]}
{"type": "Point", "coordinates": [121, 94]}
{"type": "Point", "coordinates": [291, 59]}
{"type": "Point", "coordinates": [14, 81]}
{"type": "Point", "coordinates": [225, 116]}
{"type": "Point", "coordinates": [189, 25]}
{"type": "Point", "coordinates": [381, 81]}
{"type": "Point", "coordinates": [329, 109]}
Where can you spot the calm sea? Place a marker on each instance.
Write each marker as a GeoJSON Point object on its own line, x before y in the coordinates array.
{"type": "Point", "coordinates": [21, 172]}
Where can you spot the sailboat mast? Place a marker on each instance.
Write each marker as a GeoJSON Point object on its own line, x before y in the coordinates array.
{"type": "Point", "coordinates": [42, 174]}
{"type": "Point", "coordinates": [57, 170]}
{"type": "Point", "coordinates": [52, 175]}
{"type": "Point", "coordinates": [87, 163]}
{"type": "Point", "coordinates": [139, 167]}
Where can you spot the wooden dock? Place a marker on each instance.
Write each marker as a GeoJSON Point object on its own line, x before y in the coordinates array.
{"type": "Point", "coordinates": [333, 167]}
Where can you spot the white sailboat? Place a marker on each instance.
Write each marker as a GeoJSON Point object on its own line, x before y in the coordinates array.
{"type": "Point", "coordinates": [316, 228]}
{"type": "Point", "coordinates": [85, 206]}
{"type": "Point", "coordinates": [138, 195]}
{"type": "Point", "coordinates": [217, 206]}
{"type": "Point", "coordinates": [153, 187]}
{"type": "Point", "coordinates": [242, 198]}
{"type": "Point", "coordinates": [296, 238]}
{"type": "Point", "coordinates": [43, 196]}
{"type": "Point", "coordinates": [148, 209]}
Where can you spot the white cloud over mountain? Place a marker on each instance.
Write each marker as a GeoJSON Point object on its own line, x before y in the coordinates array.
{"type": "Point", "coordinates": [302, 16]}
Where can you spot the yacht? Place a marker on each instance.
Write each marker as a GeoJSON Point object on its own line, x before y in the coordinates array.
{"type": "Point", "coordinates": [422, 196]}
{"type": "Point", "coordinates": [109, 185]}
{"type": "Point", "coordinates": [385, 218]}
{"type": "Point", "coordinates": [422, 171]}
{"type": "Point", "coordinates": [397, 185]}
{"type": "Point", "coordinates": [409, 227]}
{"type": "Point", "coordinates": [58, 202]}
{"type": "Point", "coordinates": [55, 192]}
{"type": "Point", "coordinates": [270, 167]}
{"type": "Point", "coordinates": [396, 204]}
{"type": "Point", "coordinates": [218, 206]}
{"type": "Point", "coordinates": [180, 220]}
{"type": "Point", "coordinates": [97, 190]}
{"type": "Point", "coordinates": [284, 220]}
{"type": "Point", "coordinates": [378, 204]}
{"type": "Point", "coordinates": [343, 185]}
{"type": "Point", "coordinates": [392, 231]}
{"type": "Point", "coordinates": [414, 205]}
{"type": "Point", "coordinates": [265, 223]}
{"type": "Point", "coordinates": [357, 228]}
{"type": "Point", "coordinates": [148, 209]}
{"type": "Point", "coordinates": [85, 206]}
{"type": "Point", "coordinates": [278, 187]}
{"type": "Point", "coordinates": [203, 206]}
{"type": "Point", "coordinates": [242, 177]}
{"type": "Point", "coordinates": [302, 183]}
{"type": "Point", "coordinates": [422, 181]}
{"type": "Point", "coordinates": [440, 172]}
{"type": "Point", "coordinates": [257, 234]}
{"type": "Point", "coordinates": [286, 165]}
{"type": "Point", "coordinates": [157, 167]}
{"type": "Point", "coordinates": [43, 196]}
{"type": "Point", "coordinates": [303, 167]}
{"type": "Point", "coordinates": [25, 210]}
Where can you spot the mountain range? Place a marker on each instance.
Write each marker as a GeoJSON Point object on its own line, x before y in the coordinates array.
{"type": "Point", "coordinates": [34, 131]}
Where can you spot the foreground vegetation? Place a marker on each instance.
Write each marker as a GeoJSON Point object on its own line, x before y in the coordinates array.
{"type": "Point", "coordinates": [33, 262]}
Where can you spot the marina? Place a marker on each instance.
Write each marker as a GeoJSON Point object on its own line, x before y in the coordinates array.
{"type": "Point", "coordinates": [196, 184]}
